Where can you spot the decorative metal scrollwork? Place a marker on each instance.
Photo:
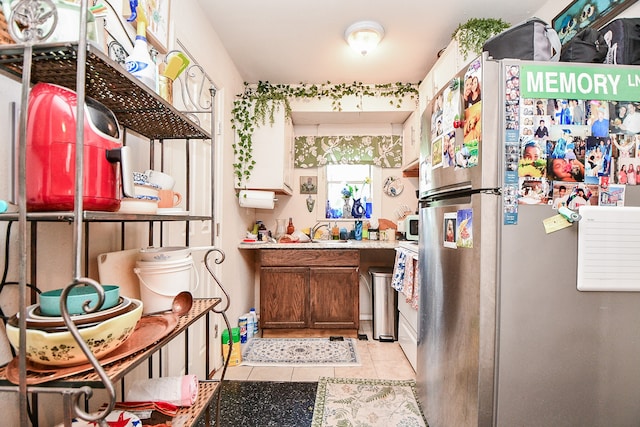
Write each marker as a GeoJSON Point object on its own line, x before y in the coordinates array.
{"type": "Point", "coordinates": [117, 52]}
{"type": "Point", "coordinates": [32, 21]}
{"type": "Point", "coordinates": [73, 329]}
{"type": "Point", "coordinates": [217, 256]}
{"type": "Point", "coordinates": [195, 88]}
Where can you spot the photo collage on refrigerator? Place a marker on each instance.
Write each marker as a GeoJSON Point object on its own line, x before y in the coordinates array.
{"type": "Point", "coordinates": [457, 107]}
{"type": "Point", "coordinates": [571, 136]}
{"type": "Point", "coordinates": [447, 149]}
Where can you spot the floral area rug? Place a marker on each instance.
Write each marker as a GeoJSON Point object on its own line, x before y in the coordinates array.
{"type": "Point", "coordinates": [367, 402]}
{"type": "Point", "coordinates": [300, 352]}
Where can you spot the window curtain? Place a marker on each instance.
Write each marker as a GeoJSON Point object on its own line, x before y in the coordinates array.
{"type": "Point", "coordinates": [313, 151]}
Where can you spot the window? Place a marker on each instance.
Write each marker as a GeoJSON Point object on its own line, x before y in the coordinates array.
{"type": "Point", "coordinates": [333, 179]}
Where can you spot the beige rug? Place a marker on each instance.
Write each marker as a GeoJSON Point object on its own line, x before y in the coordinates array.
{"type": "Point", "coordinates": [296, 352]}
{"type": "Point", "coordinates": [366, 402]}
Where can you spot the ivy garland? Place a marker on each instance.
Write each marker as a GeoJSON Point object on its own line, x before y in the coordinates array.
{"type": "Point", "coordinates": [472, 34]}
{"type": "Point", "coordinates": [258, 103]}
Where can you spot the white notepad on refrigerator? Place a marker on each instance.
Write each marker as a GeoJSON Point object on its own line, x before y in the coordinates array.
{"type": "Point", "coordinates": [609, 249]}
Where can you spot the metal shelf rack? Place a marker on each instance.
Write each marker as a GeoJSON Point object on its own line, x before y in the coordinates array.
{"type": "Point", "coordinates": [83, 67]}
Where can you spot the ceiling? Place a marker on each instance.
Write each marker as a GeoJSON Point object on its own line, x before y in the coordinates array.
{"type": "Point", "coordinates": [294, 41]}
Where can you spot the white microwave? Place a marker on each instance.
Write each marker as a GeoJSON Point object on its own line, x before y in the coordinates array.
{"type": "Point", "coordinates": [411, 227]}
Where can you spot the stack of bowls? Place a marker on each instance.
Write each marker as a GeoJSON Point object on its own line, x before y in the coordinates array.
{"type": "Point", "coordinates": [49, 341]}
{"type": "Point", "coordinates": [163, 274]}
{"type": "Point", "coordinates": [146, 196]}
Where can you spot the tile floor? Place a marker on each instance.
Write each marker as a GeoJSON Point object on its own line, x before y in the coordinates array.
{"type": "Point", "coordinates": [381, 360]}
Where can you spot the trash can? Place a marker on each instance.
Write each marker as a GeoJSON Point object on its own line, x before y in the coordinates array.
{"type": "Point", "coordinates": [384, 305]}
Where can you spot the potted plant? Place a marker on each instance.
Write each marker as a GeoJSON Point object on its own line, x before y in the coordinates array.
{"type": "Point", "coordinates": [472, 34]}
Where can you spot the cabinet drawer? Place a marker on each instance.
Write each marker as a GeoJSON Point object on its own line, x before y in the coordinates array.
{"type": "Point", "coordinates": [408, 340]}
{"type": "Point", "coordinates": [309, 257]}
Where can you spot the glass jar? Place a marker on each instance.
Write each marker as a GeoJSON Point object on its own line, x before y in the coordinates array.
{"type": "Point", "coordinates": [281, 228]}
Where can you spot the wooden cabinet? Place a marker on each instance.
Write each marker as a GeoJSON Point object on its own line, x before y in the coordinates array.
{"type": "Point", "coordinates": [309, 288]}
{"type": "Point", "coordinates": [334, 297]}
{"type": "Point", "coordinates": [284, 297]}
{"type": "Point", "coordinates": [273, 154]}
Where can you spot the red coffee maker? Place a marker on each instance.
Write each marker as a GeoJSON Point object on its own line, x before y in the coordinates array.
{"type": "Point", "coordinates": [51, 151]}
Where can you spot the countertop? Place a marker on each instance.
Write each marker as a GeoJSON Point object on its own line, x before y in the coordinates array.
{"type": "Point", "coordinates": [329, 244]}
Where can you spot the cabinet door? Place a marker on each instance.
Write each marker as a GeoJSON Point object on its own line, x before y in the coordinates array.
{"type": "Point", "coordinates": [335, 301]}
{"type": "Point", "coordinates": [284, 297]}
{"type": "Point", "coordinates": [272, 152]}
{"type": "Point", "coordinates": [410, 140]}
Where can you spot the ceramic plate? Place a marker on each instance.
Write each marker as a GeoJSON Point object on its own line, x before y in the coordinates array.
{"type": "Point", "coordinates": [138, 206]}
{"type": "Point", "coordinates": [56, 324]}
{"type": "Point", "coordinates": [34, 313]}
{"type": "Point", "coordinates": [393, 186]}
{"type": "Point", "coordinates": [115, 418]}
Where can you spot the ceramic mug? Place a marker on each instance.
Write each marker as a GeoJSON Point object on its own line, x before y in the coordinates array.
{"type": "Point", "coordinates": [169, 199]}
{"type": "Point", "coordinates": [164, 180]}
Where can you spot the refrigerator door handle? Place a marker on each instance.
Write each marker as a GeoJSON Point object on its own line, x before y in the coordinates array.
{"type": "Point", "coordinates": [458, 188]}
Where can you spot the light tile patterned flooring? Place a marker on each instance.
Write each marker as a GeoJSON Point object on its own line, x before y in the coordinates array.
{"type": "Point", "coordinates": [379, 360]}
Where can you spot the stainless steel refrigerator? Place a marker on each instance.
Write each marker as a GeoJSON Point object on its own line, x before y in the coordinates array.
{"type": "Point", "coordinates": [505, 337]}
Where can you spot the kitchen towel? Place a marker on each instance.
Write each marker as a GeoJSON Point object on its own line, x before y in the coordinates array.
{"type": "Point", "coordinates": [181, 391]}
{"type": "Point", "coordinates": [397, 282]}
{"type": "Point", "coordinates": [408, 280]}
{"type": "Point", "coordinates": [256, 199]}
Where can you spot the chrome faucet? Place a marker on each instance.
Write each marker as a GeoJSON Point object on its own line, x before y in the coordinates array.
{"type": "Point", "coordinates": [317, 227]}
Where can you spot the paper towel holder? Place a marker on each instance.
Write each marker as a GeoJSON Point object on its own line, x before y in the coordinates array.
{"type": "Point", "coordinates": [257, 199]}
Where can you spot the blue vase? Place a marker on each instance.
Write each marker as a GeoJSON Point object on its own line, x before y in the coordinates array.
{"type": "Point", "coordinates": [357, 211]}
{"type": "Point", "coordinates": [357, 230]}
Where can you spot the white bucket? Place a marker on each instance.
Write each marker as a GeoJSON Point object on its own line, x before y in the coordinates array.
{"type": "Point", "coordinates": [159, 285]}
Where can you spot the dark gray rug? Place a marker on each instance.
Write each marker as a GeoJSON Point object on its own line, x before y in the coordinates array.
{"type": "Point", "coordinates": [265, 404]}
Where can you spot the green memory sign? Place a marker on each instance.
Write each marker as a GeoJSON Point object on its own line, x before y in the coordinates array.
{"type": "Point", "coordinates": [580, 82]}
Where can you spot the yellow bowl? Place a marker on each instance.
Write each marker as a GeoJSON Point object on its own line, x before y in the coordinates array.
{"type": "Point", "coordinates": [61, 349]}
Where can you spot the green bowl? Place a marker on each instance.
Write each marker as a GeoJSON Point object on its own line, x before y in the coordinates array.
{"type": "Point", "coordinates": [50, 300]}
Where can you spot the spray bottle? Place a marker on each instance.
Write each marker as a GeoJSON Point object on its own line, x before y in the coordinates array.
{"type": "Point", "coordinates": [139, 63]}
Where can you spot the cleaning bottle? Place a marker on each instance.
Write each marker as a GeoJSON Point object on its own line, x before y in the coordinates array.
{"type": "Point", "coordinates": [242, 326]}
{"type": "Point", "coordinates": [254, 318]}
{"type": "Point", "coordinates": [235, 358]}
{"type": "Point", "coordinates": [139, 63]}
{"type": "Point", "coordinates": [250, 326]}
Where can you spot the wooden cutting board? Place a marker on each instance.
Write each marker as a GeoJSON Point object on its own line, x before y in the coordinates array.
{"type": "Point", "coordinates": [116, 268]}
{"type": "Point", "coordinates": [385, 224]}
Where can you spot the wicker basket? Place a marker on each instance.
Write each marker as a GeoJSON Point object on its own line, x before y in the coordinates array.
{"type": "Point", "coordinates": [5, 37]}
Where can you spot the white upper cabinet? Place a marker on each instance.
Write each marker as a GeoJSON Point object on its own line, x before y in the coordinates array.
{"type": "Point", "coordinates": [411, 140]}
{"type": "Point", "coordinates": [272, 151]}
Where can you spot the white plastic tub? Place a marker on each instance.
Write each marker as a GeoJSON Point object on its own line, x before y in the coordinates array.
{"type": "Point", "coordinates": [159, 285]}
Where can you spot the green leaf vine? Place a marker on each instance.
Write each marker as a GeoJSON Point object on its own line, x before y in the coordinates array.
{"type": "Point", "coordinates": [258, 103]}
{"type": "Point", "coordinates": [472, 34]}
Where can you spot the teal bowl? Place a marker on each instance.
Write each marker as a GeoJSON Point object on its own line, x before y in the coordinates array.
{"type": "Point", "coordinates": [50, 300]}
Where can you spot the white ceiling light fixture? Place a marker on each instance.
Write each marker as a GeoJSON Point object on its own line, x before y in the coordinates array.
{"type": "Point", "coordinates": [364, 36]}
